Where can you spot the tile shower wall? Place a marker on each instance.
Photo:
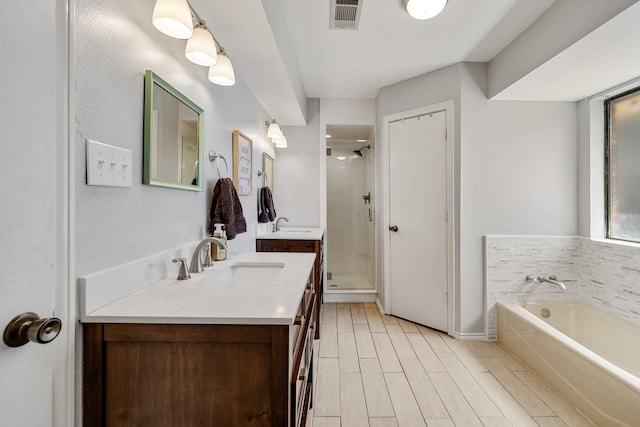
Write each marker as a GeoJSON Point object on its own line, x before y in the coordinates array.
{"type": "Point", "coordinates": [509, 259]}
{"type": "Point", "coordinates": [598, 273]}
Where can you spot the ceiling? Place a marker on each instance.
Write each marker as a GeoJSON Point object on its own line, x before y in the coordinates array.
{"type": "Point", "coordinates": [285, 52]}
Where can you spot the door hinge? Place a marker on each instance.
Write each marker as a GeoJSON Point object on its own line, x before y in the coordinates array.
{"type": "Point", "coordinates": [446, 134]}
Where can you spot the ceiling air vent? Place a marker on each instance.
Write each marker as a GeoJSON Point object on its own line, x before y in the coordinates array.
{"type": "Point", "coordinates": [345, 14]}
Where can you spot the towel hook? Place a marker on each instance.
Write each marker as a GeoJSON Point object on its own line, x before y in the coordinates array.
{"type": "Point", "coordinates": [214, 157]}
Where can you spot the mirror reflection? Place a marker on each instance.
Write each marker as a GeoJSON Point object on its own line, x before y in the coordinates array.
{"type": "Point", "coordinates": [173, 137]}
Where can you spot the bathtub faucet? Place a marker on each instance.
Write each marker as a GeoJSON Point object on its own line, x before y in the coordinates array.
{"type": "Point", "coordinates": [551, 279]}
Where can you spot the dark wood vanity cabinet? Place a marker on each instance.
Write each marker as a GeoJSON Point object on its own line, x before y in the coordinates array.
{"type": "Point", "coordinates": [311, 246]}
{"type": "Point", "coordinates": [199, 375]}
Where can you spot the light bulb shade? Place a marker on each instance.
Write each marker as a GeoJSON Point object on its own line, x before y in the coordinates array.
{"type": "Point", "coordinates": [201, 49]}
{"type": "Point", "coordinates": [173, 18]}
{"type": "Point", "coordinates": [424, 9]}
{"type": "Point", "coordinates": [222, 73]}
{"type": "Point", "coordinates": [274, 130]}
{"type": "Point", "coordinates": [280, 142]}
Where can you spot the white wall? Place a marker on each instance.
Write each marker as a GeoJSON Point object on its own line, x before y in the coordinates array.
{"type": "Point", "coordinates": [297, 178]}
{"type": "Point", "coordinates": [115, 44]}
{"type": "Point", "coordinates": [518, 175]}
{"type": "Point", "coordinates": [515, 169]}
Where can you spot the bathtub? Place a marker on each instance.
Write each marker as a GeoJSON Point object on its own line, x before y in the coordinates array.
{"type": "Point", "coordinates": [591, 357]}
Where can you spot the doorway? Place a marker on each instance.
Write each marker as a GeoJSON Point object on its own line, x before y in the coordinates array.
{"type": "Point", "coordinates": [350, 208]}
{"type": "Point", "coordinates": [418, 225]}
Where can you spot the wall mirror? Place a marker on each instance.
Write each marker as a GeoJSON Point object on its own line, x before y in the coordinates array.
{"type": "Point", "coordinates": [173, 137]}
{"type": "Point", "coordinates": [267, 170]}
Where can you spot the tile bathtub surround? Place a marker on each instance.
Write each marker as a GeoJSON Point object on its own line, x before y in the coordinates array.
{"type": "Point", "coordinates": [509, 259]}
{"type": "Point", "coordinates": [610, 277]}
{"type": "Point", "coordinates": [603, 274]}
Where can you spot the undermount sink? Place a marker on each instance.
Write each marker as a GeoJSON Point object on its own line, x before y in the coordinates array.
{"type": "Point", "coordinates": [243, 274]}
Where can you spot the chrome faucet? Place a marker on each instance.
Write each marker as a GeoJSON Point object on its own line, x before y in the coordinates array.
{"type": "Point", "coordinates": [277, 226]}
{"type": "Point", "coordinates": [196, 260]}
{"type": "Point", "coordinates": [551, 279]}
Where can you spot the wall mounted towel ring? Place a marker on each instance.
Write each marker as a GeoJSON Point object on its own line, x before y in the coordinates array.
{"type": "Point", "coordinates": [264, 178]}
{"type": "Point", "coordinates": [214, 157]}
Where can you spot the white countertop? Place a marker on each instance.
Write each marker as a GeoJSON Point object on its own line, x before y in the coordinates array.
{"type": "Point", "coordinates": [194, 301]}
{"type": "Point", "coordinates": [293, 233]}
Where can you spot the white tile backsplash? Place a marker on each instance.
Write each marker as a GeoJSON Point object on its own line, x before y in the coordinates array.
{"type": "Point", "coordinates": [600, 273]}
{"type": "Point", "coordinates": [509, 259]}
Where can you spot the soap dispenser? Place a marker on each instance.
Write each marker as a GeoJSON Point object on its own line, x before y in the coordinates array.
{"type": "Point", "coordinates": [219, 232]}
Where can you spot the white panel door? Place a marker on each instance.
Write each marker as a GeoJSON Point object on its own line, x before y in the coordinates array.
{"type": "Point", "coordinates": [28, 215]}
{"type": "Point", "coordinates": [417, 207]}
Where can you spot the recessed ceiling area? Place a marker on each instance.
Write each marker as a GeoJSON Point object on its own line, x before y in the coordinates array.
{"type": "Point", "coordinates": [285, 52]}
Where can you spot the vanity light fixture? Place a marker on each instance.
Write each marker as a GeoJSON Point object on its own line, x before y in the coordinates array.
{"type": "Point", "coordinates": [173, 18]}
{"type": "Point", "coordinates": [176, 18]}
{"type": "Point", "coordinates": [222, 72]}
{"type": "Point", "coordinates": [201, 49]}
{"type": "Point", "coordinates": [281, 142]}
{"type": "Point", "coordinates": [424, 9]}
{"type": "Point", "coordinates": [275, 134]}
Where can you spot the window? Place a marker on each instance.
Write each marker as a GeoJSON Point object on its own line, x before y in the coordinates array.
{"type": "Point", "coordinates": [622, 156]}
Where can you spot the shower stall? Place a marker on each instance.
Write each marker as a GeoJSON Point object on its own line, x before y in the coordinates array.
{"type": "Point", "coordinates": [350, 208]}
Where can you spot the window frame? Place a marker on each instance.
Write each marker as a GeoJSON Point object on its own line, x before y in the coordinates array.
{"type": "Point", "coordinates": [607, 163]}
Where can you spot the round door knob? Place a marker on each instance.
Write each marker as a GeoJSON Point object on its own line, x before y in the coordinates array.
{"type": "Point", "coordinates": [28, 326]}
{"type": "Point", "coordinates": [393, 228]}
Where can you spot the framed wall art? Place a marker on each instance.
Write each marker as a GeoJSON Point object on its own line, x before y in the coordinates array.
{"type": "Point", "coordinates": [242, 151]}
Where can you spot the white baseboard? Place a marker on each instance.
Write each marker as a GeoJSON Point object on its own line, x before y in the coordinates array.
{"type": "Point", "coordinates": [477, 336]}
{"type": "Point", "coordinates": [379, 306]}
{"type": "Point", "coordinates": [349, 297]}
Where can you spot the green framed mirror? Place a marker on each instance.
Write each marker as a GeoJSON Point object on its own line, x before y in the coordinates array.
{"type": "Point", "coordinates": [267, 170]}
{"type": "Point", "coordinates": [173, 137]}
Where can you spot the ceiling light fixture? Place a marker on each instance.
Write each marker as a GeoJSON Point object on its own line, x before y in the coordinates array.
{"type": "Point", "coordinates": [176, 18]}
{"type": "Point", "coordinates": [173, 18]}
{"type": "Point", "coordinates": [424, 9]}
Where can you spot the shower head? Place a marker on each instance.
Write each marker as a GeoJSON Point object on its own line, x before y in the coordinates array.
{"type": "Point", "coordinates": [359, 152]}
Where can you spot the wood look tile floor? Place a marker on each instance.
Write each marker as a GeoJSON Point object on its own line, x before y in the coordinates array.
{"type": "Point", "coordinates": [381, 371]}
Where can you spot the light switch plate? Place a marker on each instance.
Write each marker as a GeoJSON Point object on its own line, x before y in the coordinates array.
{"type": "Point", "coordinates": [107, 165]}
